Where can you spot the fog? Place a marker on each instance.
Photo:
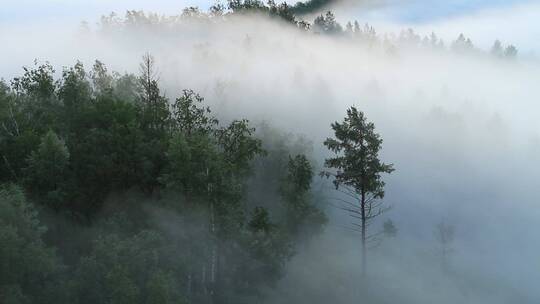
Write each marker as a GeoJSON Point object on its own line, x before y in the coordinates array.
{"type": "Point", "coordinates": [483, 21]}
{"type": "Point", "coordinates": [462, 131]}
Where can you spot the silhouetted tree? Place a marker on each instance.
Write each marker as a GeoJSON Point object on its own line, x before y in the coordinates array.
{"type": "Point", "coordinates": [327, 24]}
{"type": "Point", "coordinates": [389, 229]}
{"type": "Point", "coordinates": [310, 6]}
{"type": "Point", "coordinates": [497, 49]}
{"type": "Point", "coordinates": [47, 172]}
{"type": "Point", "coordinates": [444, 234]}
{"type": "Point", "coordinates": [462, 44]}
{"type": "Point", "coordinates": [30, 271]}
{"type": "Point", "coordinates": [510, 52]}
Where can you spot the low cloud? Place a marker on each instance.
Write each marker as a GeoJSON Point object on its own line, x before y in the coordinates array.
{"type": "Point", "coordinates": [461, 129]}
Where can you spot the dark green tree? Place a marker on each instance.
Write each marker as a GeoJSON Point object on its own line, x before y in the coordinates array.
{"type": "Point", "coordinates": [194, 162]}
{"type": "Point", "coordinates": [47, 173]}
{"type": "Point", "coordinates": [30, 271]}
{"type": "Point", "coordinates": [75, 90]}
{"type": "Point", "coordinates": [37, 83]}
{"type": "Point", "coordinates": [16, 141]}
{"type": "Point", "coordinates": [239, 147]}
{"type": "Point", "coordinates": [154, 107]}
{"type": "Point", "coordinates": [265, 250]}
{"type": "Point", "coordinates": [327, 24]}
{"type": "Point", "coordinates": [126, 270]}
{"type": "Point", "coordinates": [102, 81]}
{"type": "Point", "coordinates": [36, 105]}
{"type": "Point", "coordinates": [194, 165]}
{"type": "Point", "coordinates": [190, 117]}
{"type": "Point", "coordinates": [310, 6]}
{"type": "Point", "coordinates": [357, 170]}
{"type": "Point", "coordinates": [301, 214]}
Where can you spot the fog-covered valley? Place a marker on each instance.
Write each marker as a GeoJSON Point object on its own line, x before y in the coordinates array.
{"type": "Point", "coordinates": [458, 122]}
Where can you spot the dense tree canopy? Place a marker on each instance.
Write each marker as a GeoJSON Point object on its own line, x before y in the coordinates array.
{"type": "Point", "coordinates": [97, 151]}
{"type": "Point", "coordinates": [30, 270]}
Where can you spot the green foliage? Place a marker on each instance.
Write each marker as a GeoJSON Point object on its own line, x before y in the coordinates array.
{"type": "Point", "coordinates": [260, 221]}
{"type": "Point", "coordinates": [266, 250]}
{"type": "Point", "coordinates": [93, 144]}
{"type": "Point", "coordinates": [282, 11]}
{"type": "Point", "coordinates": [357, 170]}
{"type": "Point", "coordinates": [47, 172]}
{"type": "Point", "coordinates": [239, 147]}
{"type": "Point", "coordinates": [161, 289]}
{"type": "Point", "coordinates": [102, 81]}
{"type": "Point", "coordinates": [154, 108]}
{"type": "Point", "coordinates": [75, 90]}
{"type": "Point", "coordinates": [246, 5]}
{"type": "Point", "coordinates": [126, 270]}
{"type": "Point", "coordinates": [327, 24]}
{"type": "Point", "coordinates": [29, 270]}
{"type": "Point", "coordinates": [357, 148]}
{"type": "Point", "coordinates": [310, 6]}
{"type": "Point", "coordinates": [190, 117]}
{"type": "Point", "coordinates": [17, 135]}
{"type": "Point", "coordinates": [151, 200]}
{"type": "Point", "coordinates": [193, 164]}
{"type": "Point", "coordinates": [300, 174]}
{"type": "Point", "coordinates": [135, 22]}
{"type": "Point", "coordinates": [36, 83]}
{"type": "Point", "coordinates": [301, 213]}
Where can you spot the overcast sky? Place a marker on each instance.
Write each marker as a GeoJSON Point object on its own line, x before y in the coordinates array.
{"type": "Point", "coordinates": [511, 21]}
{"type": "Point", "coordinates": [429, 10]}
{"type": "Point", "coordinates": [409, 10]}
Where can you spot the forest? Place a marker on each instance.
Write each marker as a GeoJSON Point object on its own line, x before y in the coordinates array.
{"type": "Point", "coordinates": [109, 156]}
{"type": "Point", "coordinates": [204, 158]}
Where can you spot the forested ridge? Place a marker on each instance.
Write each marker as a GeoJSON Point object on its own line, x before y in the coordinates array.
{"type": "Point", "coordinates": [114, 192]}
{"type": "Point", "coordinates": [108, 153]}
{"type": "Point", "coordinates": [324, 24]}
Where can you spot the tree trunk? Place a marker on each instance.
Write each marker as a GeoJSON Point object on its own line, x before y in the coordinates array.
{"type": "Point", "coordinates": [364, 249]}
{"type": "Point", "coordinates": [203, 279]}
{"type": "Point", "coordinates": [214, 256]}
{"type": "Point", "coordinates": [188, 286]}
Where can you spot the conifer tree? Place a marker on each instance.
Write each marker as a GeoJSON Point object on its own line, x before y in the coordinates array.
{"type": "Point", "coordinates": [357, 170]}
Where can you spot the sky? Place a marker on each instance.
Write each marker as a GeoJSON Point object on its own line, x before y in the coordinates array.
{"type": "Point", "coordinates": [419, 11]}
{"type": "Point", "coordinates": [76, 10]}
{"type": "Point", "coordinates": [512, 21]}
{"type": "Point", "coordinates": [51, 10]}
